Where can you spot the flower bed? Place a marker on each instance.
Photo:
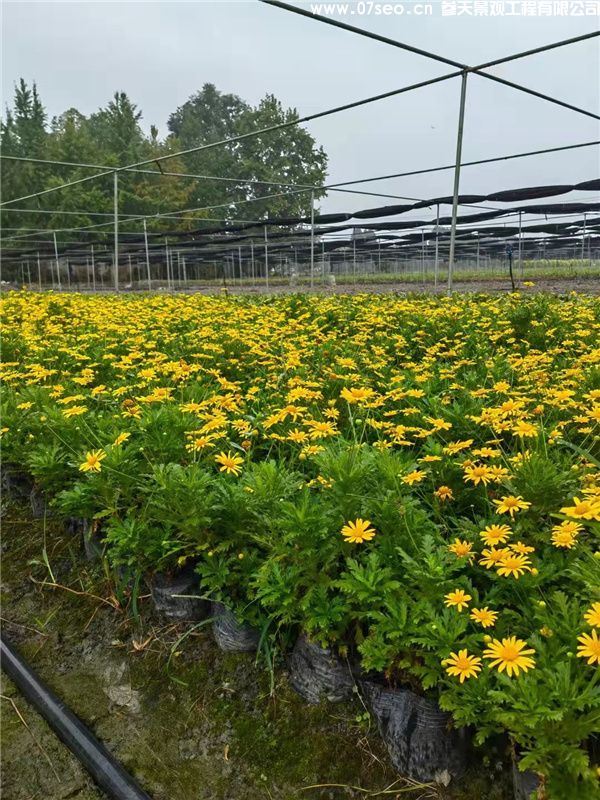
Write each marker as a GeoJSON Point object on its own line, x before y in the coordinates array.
{"type": "Point", "coordinates": [410, 483]}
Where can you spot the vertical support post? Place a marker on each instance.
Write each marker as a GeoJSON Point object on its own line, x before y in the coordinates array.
{"type": "Point", "coordinates": [39, 266]}
{"type": "Point", "coordinates": [68, 274]}
{"type": "Point", "coordinates": [240, 263]}
{"type": "Point", "coordinates": [520, 246]}
{"type": "Point", "coordinates": [379, 256]}
{"type": "Point", "coordinates": [583, 238]}
{"type": "Point", "coordinates": [116, 226]}
{"type": "Point", "coordinates": [130, 269]}
{"type": "Point", "coordinates": [93, 271]}
{"type": "Point", "coordinates": [266, 258]}
{"type": "Point", "coordinates": [312, 239]}
{"type": "Point", "coordinates": [167, 264]}
{"type": "Point", "coordinates": [252, 261]}
{"type": "Point", "coordinates": [57, 264]}
{"type": "Point", "coordinates": [423, 255]}
{"type": "Point", "coordinates": [437, 249]}
{"type": "Point", "coordinates": [354, 260]}
{"type": "Point", "coordinates": [322, 260]}
{"type": "Point", "coordinates": [459, 141]}
{"type": "Point", "coordinates": [184, 271]}
{"type": "Point", "coordinates": [147, 256]}
{"type": "Point", "coordinates": [478, 253]}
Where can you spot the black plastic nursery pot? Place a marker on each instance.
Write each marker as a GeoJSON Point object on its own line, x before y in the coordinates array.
{"type": "Point", "coordinates": [524, 783]}
{"type": "Point", "coordinates": [91, 536]}
{"type": "Point", "coordinates": [419, 737]}
{"type": "Point", "coordinates": [16, 482]}
{"type": "Point", "coordinates": [230, 635]}
{"type": "Point", "coordinates": [167, 589]}
{"type": "Point", "coordinates": [317, 673]}
{"type": "Point", "coordinates": [38, 502]}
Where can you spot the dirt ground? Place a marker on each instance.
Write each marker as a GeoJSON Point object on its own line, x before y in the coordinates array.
{"type": "Point", "coordinates": [201, 726]}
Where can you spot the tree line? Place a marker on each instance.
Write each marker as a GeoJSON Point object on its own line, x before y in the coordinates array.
{"type": "Point", "coordinates": [114, 136]}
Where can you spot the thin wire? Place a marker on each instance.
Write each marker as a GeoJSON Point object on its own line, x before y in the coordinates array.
{"type": "Point", "coordinates": [436, 57]}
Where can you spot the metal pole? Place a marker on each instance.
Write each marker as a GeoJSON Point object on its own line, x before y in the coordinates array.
{"type": "Point", "coordinates": [147, 257]}
{"type": "Point", "coordinates": [312, 240]}
{"type": "Point", "coordinates": [436, 265]}
{"type": "Point", "coordinates": [130, 269]}
{"type": "Point", "coordinates": [520, 247]}
{"type": "Point", "coordinates": [184, 270]}
{"type": "Point", "coordinates": [93, 271]}
{"type": "Point", "coordinates": [354, 260]}
{"type": "Point", "coordinates": [459, 141]}
{"type": "Point", "coordinates": [57, 264]}
{"type": "Point", "coordinates": [583, 239]}
{"type": "Point", "coordinates": [116, 226]}
{"type": "Point", "coordinates": [252, 260]}
{"type": "Point", "coordinates": [39, 266]}
{"type": "Point", "coordinates": [477, 252]}
{"type": "Point", "coordinates": [423, 255]}
{"type": "Point", "coordinates": [266, 259]}
{"type": "Point", "coordinates": [240, 263]}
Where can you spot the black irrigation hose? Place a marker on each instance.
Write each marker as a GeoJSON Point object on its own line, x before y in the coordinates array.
{"type": "Point", "coordinates": [93, 755]}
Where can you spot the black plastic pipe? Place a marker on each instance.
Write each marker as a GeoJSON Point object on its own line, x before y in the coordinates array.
{"type": "Point", "coordinates": [93, 755]}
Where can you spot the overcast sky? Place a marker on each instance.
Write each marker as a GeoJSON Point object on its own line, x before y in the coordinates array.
{"type": "Point", "coordinates": [80, 53]}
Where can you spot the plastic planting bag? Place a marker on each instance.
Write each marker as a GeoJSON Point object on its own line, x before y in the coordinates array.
{"type": "Point", "coordinates": [316, 673]}
{"type": "Point", "coordinates": [421, 744]}
{"type": "Point", "coordinates": [231, 635]}
{"type": "Point", "coordinates": [524, 783]}
{"type": "Point", "coordinates": [39, 506]}
{"type": "Point", "coordinates": [166, 589]}
{"type": "Point", "coordinates": [17, 483]}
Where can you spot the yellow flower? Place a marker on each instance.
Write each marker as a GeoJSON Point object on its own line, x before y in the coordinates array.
{"type": "Point", "coordinates": [513, 564]}
{"type": "Point", "coordinates": [525, 429]}
{"type": "Point", "coordinates": [444, 493]}
{"type": "Point", "coordinates": [589, 647]}
{"type": "Point", "coordinates": [493, 556]}
{"type": "Point", "coordinates": [92, 461]}
{"type": "Point", "coordinates": [478, 473]}
{"type": "Point", "coordinates": [510, 504]}
{"type": "Point", "coordinates": [484, 617]}
{"type": "Point", "coordinates": [495, 534]}
{"type": "Point", "coordinates": [358, 531]}
{"type": "Point", "coordinates": [458, 599]}
{"type": "Point", "coordinates": [229, 463]}
{"type": "Point", "coordinates": [565, 534]}
{"type": "Point", "coordinates": [462, 665]}
{"type": "Point", "coordinates": [456, 447]}
{"type": "Point", "coordinates": [520, 547]}
{"type": "Point", "coordinates": [74, 411]}
{"type": "Point", "coordinates": [583, 509]}
{"type": "Point", "coordinates": [416, 476]}
{"type": "Point", "coordinates": [460, 549]}
{"type": "Point", "coordinates": [122, 437]}
{"type": "Point", "coordinates": [508, 654]}
{"type": "Point", "coordinates": [592, 615]}
{"type": "Point", "coordinates": [356, 395]}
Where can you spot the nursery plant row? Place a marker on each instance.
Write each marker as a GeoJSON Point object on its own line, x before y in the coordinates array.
{"type": "Point", "coordinates": [402, 493]}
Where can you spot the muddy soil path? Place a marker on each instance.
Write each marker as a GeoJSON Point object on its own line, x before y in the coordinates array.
{"type": "Point", "coordinates": [204, 726]}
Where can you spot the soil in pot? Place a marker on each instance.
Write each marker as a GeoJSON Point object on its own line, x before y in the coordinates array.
{"type": "Point", "coordinates": [317, 672]}
{"type": "Point", "coordinates": [419, 738]}
{"type": "Point", "coordinates": [166, 589]}
{"type": "Point", "coordinates": [231, 635]}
